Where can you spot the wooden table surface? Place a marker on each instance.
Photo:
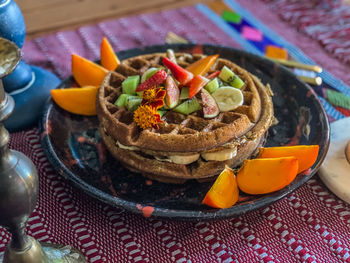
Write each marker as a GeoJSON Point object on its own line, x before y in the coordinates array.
{"type": "Point", "coordinates": [44, 16]}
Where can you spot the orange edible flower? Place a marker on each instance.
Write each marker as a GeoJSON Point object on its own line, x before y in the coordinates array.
{"type": "Point", "coordinates": [153, 97]}
{"type": "Point", "coordinates": [147, 116]}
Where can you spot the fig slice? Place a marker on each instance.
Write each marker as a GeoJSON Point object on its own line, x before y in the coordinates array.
{"type": "Point", "coordinates": [210, 107]}
{"type": "Point", "coordinates": [172, 96]}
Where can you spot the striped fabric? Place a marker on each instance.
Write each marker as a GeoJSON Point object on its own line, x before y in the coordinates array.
{"type": "Point", "coordinates": [310, 225]}
{"type": "Point", "coordinates": [268, 38]}
{"type": "Point", "coordinates": [299, 44]}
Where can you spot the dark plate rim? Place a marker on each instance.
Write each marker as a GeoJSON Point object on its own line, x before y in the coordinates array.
{"type": "Point", "coordinates": [264, 201]}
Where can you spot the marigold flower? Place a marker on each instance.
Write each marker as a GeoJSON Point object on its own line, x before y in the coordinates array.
{"type": "Point", "coordinates": [154, 97]}
{"type": "Point", "coordinates": [146, 116]}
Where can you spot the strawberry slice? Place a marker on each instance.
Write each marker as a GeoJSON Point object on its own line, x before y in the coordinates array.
{"type": "Point", "coordinates": [158, 78]}
{"type": "Point", "coordinates": [214, 74]}
{"type": "Point", "coordinates": [197, 83]}
{"type": "Point", "coordinates": [180, 74]}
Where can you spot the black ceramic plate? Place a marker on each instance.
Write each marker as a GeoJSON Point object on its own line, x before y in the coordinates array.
{"type": "Point", "coordinates": [73, 145]}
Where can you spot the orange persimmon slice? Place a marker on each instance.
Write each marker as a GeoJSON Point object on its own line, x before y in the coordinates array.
{"type": "Point", "coordinates": [77, 100]}
{"type": "Point", "coordinates": [262, 176]}
{"type": "Point", "coordinates": [86, 72]}
{"type": "Point", "coordinates": [109, 59]}
{"type": "Point", "coordinates": [201, 66]}
{"type": "Point", "coordinates": [306, 154]}
{"type": "Point", "coordinates": [224, 192]}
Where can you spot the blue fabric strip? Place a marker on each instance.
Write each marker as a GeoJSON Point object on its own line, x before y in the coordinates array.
{"type": "Point", "coordinates": [330, 110]}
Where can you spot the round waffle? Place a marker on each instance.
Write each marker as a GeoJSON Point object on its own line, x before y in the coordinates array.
{"type": "Point", "coordinates": [146, 151]}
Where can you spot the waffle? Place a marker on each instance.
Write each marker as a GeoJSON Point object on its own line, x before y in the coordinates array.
{"type": "Point", "coordinates": [145, 151]}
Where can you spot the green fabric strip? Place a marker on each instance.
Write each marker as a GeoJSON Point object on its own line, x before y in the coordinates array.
{"type": "Point", "coordinates": [231, 17]}
{"type": "Point", "coordinates": [338, 99]}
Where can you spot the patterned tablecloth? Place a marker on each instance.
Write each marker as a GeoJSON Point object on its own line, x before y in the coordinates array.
{"type": "Point", "coordinates": [310, 225]}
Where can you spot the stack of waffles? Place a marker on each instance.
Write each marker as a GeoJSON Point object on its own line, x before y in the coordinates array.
{"type": "Point", "coordinates": [184, 146]}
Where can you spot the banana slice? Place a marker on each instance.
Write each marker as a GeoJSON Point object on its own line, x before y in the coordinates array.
{"type": "Point", "coordinates": [130, 148]}
{"type": "Point", "coordinates": [222, 155]}
{"type": "Point", "coordinates": [228, 98]}
{"type": "Point", "coordinates": [184, 159]}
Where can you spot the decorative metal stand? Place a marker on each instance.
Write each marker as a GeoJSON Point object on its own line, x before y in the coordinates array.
{"type": "Point", "coordinates": [28, 85]}
{"type": "Point", "coordinates": [19, 185]}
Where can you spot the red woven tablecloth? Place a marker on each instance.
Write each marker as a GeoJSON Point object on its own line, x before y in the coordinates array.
{"type": "Point", "coordinates": [310, 225]}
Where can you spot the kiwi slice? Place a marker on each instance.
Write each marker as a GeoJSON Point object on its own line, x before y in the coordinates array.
{"type": "Point", "coordinates": [132, 103]}
{"type": "Point", "coordinates": [231, 78]}
{"type": "Point", "coordinates": [237, 82]}
{"type": "Point", "coordinates": [148, 73]}
{"type": "Point", "coordinates": [212, 85]}
{"type": "Point", "coordinates": [188, 106]}
{"type": "Point", "coordinates": [185, 93]}
{"type": "Point", "coordinates": [121, 101]}
{"type": "Point", "coordinates": [130, 84]}
{"type": "Point", "coordinates": [161, 112]}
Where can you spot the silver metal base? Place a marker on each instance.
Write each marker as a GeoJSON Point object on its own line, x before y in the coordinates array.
{"type": "Point", "coordinates": [19, 186]}
{"type": "Point", "coordinates": [37, 252]}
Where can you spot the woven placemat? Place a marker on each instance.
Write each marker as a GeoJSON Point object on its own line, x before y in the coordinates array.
{"type": "Point", "coordinates": [310, 225]}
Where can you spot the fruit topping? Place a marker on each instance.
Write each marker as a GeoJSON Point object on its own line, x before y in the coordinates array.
{"type": "Point", "coordinates": [222, 155]}
{"type": "Point", "coordinates": [148, 73]}
{"type": "Point", "coordinates": [231, 78]}
{"type": "Point", "coordinates": [201, 66]}
{"type": "Point", "coordinates": [180, 74]}
{"type": "Point", "coordinates": [80, 100]}
{"type": "Point", "coordinates": [130, 84]}
{"type": "Point", "coordinates": [214, 74]}
{"type": "Point", "coordinates": [212, 85]}
{"type": "Point", "coordinates": [262, 176]}
{"type": "Point", "coordinates": [197, 83]}
{"type": "Point", "coordinates": [109, 59]}
{"type": "Point", "coordinates": [224, 192]}
{"type": "Point", "coordinates": [172, 93]}
{"type": "Point", "coordinates": [210, 107]}
{"type": "Point", "coordinates": [306, 154]}
{"type": "Point", "coordinates": [132, 102]}
{"type": "Point", "coordinates": [86, 72]}
{"type": "Point", "coordinates": [121, 101]}
{"type": "Point", "coordinates": [275, 168]}
{"type": "Point", "coordinates": [188, 106]}
{"type": "Point", "coordinates": [228, 98]}
{"type": "Point", "coordinates": [185, 93]}
{"type": "Point", "coordinates": [156, 79]}
{"type": "Point", "coordinates": [171, 55]}
{"type": "Point", "coordinates": [162, 112]}
{"type": "Point", "coordinates": [184, 159]}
